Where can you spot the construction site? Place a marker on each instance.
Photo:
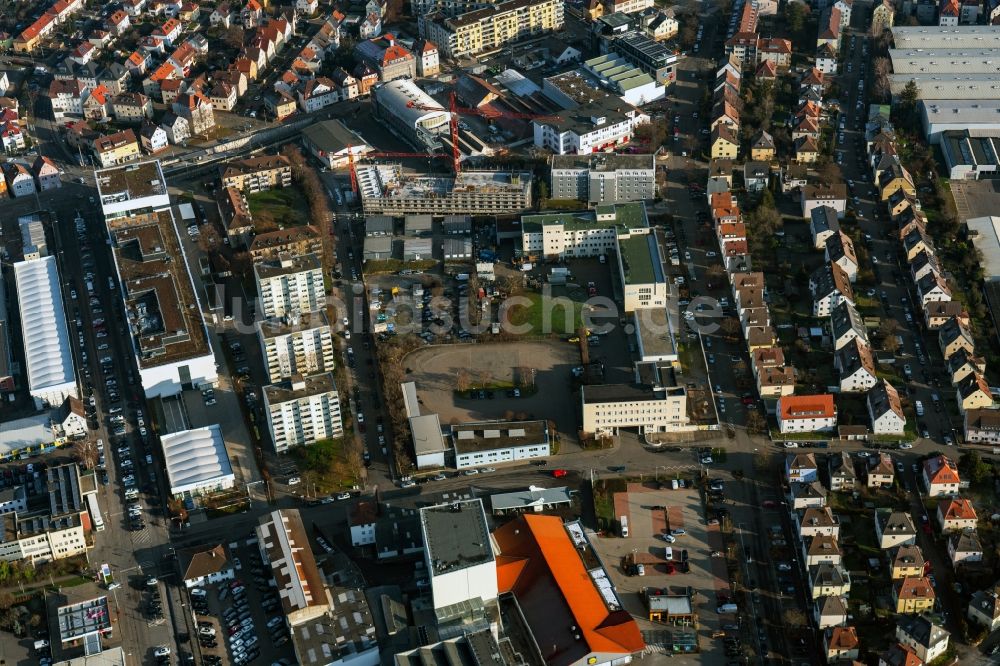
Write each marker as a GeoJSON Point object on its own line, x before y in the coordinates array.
{"type": "Point", "coordinates": [386, 189]}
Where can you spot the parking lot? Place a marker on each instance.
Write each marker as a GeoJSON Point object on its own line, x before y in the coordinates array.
{"type": "Point", "coordinates": [652, 510]}
{"type": "Point", "coordinates": [239, 620]}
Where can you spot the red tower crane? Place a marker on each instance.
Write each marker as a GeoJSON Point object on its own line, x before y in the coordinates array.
{"type": "Point", "coordinates": [455, 156]}
{"type": "Point", "coordinates": [486, 113]}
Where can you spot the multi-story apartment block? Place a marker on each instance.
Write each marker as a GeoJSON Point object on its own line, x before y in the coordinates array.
{"type": "Point", "coordinates": [390, 59]}
{"type": "Point", "coordinates": [291, 285]}
{"type": "Point", "coordinates": [301, 344]}
{"type": "Point", "coordinates": [582, 233]}
{"type": "Point", "coordinates": [604, 178]}
{"type": "Point", "coordinates": [303, 411]}
{"type": "Point", "coordinates": [257, 174]}
{"type": "Point", "coordinates": [447, 7]}
{"type": "Point", "coordinates": [492, 26]}
{"type": "Point", "coordinates": [806, 413]}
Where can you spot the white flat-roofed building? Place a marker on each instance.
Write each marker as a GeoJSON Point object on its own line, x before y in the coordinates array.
{"type": "Point", "coordinates": [290, 285]}
{"type": "Point", "coordinates": [477, 444]}
{"type": "Point", "coordinates": [654, 335]}
{"type": "Point", "coordinates": [640, 271]}
{"type": "Point", "coordinates": [51, 372]}
{"type": "Point", "coordinates": [929, 61]}
{"type": "Point", "coordinates": [303, 411]}
{"type": "Point", "coordinates": [940, 37]}
{"type": "Point", "coordinates": [608, 407]}
{"type": "Point", "coordinates": [948, 85]}
{"type": "Point", "coordinates": [429, 444]}
{"type": "Point", "coordinates": [941, 115]}
{"type": "Point", "coordinates": [118, 194]}
{"type": "Point", "coordinates": [168, 334]}
{"type": "Point", "coordinates": [458, 554]}
{"type": "Point", "coordinates": [83, 621]}
{"type": "Point", "coordinates": [197, 461]}
{"type": "Point", "coordinates": [985, 235]}
{"type": "Point", "coordinates": [301, 344]}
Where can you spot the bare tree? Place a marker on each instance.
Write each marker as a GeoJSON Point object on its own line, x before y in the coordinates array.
{"type": "Point", "coordinates": [85, 452]}
{"type": "Point", "coordinates": [463, 380]}
{"type": "Point", "coordinates": [881, 69]}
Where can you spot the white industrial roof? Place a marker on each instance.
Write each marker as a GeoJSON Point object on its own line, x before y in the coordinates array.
{"type": "Point", "coordinates": [941, 61]}
{"type": "Point", "coordinates": [396, 95]}
{"type": "Point", "coordinates": [987, 241]}
{"type": "Point", "coordinates": [195, 458]}
{"type": "Point", "coordinates": [962, 112]}
{"type": "Point", "coordinates": [935, 86]}
{"type": "Point", "coordinates": [43, 324]}
{"type": "Point", "coordinates": [938, 37]}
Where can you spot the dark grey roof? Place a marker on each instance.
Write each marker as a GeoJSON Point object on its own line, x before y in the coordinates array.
{"type": "Point", "coordinates": [921, 630]}
{"type": "Point", "coordinates": [455, 536]}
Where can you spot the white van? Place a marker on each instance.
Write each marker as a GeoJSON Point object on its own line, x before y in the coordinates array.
{"type": "Point", "coordinates": [624, 521]}
{"type": "Point", "coordinates": [668, 553]}
{"type": "Point", "coordinates": [919, 406]}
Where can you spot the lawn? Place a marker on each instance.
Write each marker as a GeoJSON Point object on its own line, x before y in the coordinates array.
{"type": "Point", "coordinates": [328, 465]}
{"type": "Point", "coordinates": [544, 315]}
{"type": "Point", "coordinates": [273, 209]}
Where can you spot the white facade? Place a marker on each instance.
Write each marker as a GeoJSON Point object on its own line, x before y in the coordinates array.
{"type": "Point", "coordinates": [197, 461]}
{"type": "Point", "coordinates": [305, 351]}
{"type": "Point", "coordinates": [610, 407]}
{"type": "Point", "coordinates": [597, 135]}
{"type": "Point", "coordinates": [363, 534]}
{"type": "Point", "coordinates": [975, 115]}
{"type": "Point", "coordinates": [456, 577]}
{"type": "Point", "coordinates": [51, 372]}
{"type": "Point", "coordinates": [303, 413]}
{"type": "Point", "coordinates": [479, 444]}
{"type": "Point", "coordinates": [296, 287]}
{"type": "Point", "coordinates": [583, 233]}
{"type": "Point", "coordinates": [640, 271]}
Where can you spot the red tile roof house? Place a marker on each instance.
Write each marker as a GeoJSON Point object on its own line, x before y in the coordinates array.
{"type": "Point", "coordinates": [940, 477]}
{"type": "Point", "coordinates": [806, 413]}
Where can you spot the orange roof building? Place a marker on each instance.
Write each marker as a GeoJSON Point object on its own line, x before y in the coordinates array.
{"type": "Point", "coordinates": [538, 563]}
{"type": "Point", "coordinates": [806, 413]}
{"type": "Point", "coordinates": [941, 476]}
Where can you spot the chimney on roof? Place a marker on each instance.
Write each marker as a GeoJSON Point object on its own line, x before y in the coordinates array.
{"type": "Point", "coordinates": [298, 382]}
{"type": "Point", "coordinates": [391, 39]}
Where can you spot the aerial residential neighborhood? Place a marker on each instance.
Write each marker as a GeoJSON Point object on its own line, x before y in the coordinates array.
{"type": "Point", "coordinates": [557, 333]}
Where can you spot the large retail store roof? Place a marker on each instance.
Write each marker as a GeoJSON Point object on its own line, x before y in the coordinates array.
{"type": "Point", "coordinates": [43, 322]}
{"type": "Point", "coordinates": [195, 458]}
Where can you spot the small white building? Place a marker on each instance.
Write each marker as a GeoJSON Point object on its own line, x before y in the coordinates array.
{"type": "Point", "coordinates": [806, 413]}
{"type": "Point", "coordinates": [477, 444]}
{"type": "Point", "coordinates": [205, 566]}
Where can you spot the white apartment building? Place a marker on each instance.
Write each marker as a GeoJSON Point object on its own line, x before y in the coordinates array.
{"type": "Point", "coordinates": [606, 408]}
{"type": "Point", "coordinates": [292, 285]}
{"type": "Point", "coordinates": [297, 345]}
{"type": "Point", "coordinates": [806, 413]}
{"type": "Point", "coordinates": [303, 411]}
{"type": "Point", "coordinates": [587, 233]}
{"type": "Point", "coordinates": [603, 178]}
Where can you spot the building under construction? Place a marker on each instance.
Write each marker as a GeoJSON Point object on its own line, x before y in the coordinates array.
{"type": "Point", "coordinates": [386, 190]}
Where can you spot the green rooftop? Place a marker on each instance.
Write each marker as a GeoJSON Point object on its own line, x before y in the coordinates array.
{"type": "Point", "coordinates": [640, 259]}
{"type": "Point", "coordinates": [604, 216]}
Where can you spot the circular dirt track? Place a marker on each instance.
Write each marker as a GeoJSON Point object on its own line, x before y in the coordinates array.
{"type": "Point", "coordinates": [435, 370]}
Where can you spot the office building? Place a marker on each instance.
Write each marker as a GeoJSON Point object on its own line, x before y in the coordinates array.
{"type": "Point", "coordinates": [640, 270]}
{"type": "Point", "coordinates": [654, 403]}
{"type": "Point", "coordinates": [303, 411]}
{"type": "Point", "coordinates": [477, 444]}
{"type": "Point", "coordinates": [301, 344]}
{"type": "Point", "coordinates": [290, 286]}
{"type": "Point", "coordinates": [589, 233]}
{"type": "Point", "coordinates": [168, 334]}
{"type": "Point", "coordinates": [603, 178]}
{"type": "Point", "coordinates": [411, 113]}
